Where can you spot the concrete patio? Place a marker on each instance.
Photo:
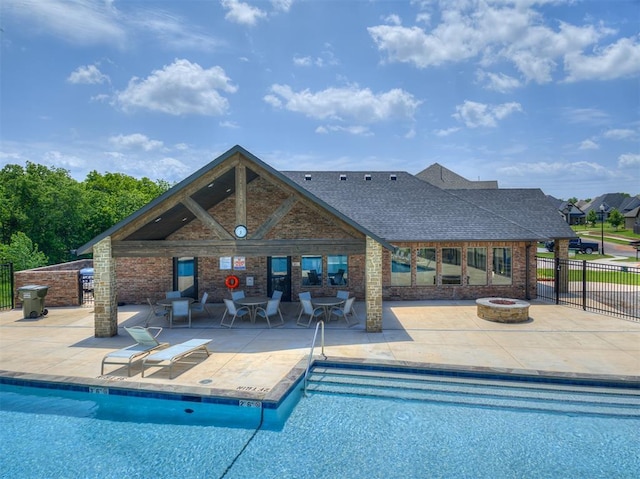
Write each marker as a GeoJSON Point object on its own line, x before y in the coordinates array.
{"type": "Point", "coordinates": [254, 362]}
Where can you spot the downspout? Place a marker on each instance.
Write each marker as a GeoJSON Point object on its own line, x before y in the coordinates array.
{"type": "Point", "coordinates": [526, 271]}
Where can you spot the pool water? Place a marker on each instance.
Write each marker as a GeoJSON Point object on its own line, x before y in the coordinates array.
{"type": "Point", "coordinates": [48, 433]}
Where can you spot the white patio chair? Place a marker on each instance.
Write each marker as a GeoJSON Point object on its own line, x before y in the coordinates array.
{"type": "Point", "coordinates": [232, 309]}
{"type": "Point", "coordinates": [301, 296]}
{"type": "Point", "coordinates": [201, 306]}
{"type": "Point", "coordinates": [180, 309]}
{"type": "Point", "coordinates": [273, 308]}
{"type": "Point", "coordinates": [344, 311]}
{"type": "Point", "coordinates": [172, 294]}
{"type": "Point", "coordinates": [155, 312]}
{"type": "Point", "coordinates": [308, 309]}
{"type": "Point", "coordinates": [237, 295]}
{"type": "Point", "coordinates": [343, 295]}
{"type": "Point", "coordinates": [277, 294]}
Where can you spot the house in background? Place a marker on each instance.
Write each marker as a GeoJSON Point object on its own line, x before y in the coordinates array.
{"type": "Point", "coordinates": [382, 235]}
{"type": "Point", "coordinates": [439, 176]}
{"type": "Point", "coordinates": [570, 212]}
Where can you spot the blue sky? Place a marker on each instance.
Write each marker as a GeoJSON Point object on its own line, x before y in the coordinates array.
{"type": "Point", "coordinates": [534, 94]}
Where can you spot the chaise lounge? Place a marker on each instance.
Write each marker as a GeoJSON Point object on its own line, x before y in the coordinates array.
{"type": "Point", "coordinates": [171, 355]}
{"type": "Point", "coordinates": [146, 343]}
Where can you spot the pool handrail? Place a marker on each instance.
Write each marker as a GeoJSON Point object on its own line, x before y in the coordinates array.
{"type": "Point", "coordinates": [313, 344]}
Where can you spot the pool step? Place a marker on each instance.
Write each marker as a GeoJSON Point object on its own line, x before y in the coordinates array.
{"type": "Point", "coordinates": [561, 398]}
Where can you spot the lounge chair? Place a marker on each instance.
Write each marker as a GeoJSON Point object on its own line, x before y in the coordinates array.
{"type": "Point", "coordinates": [171, 355]}
{"type": "Point", "coordinates": [232, 309]}
{"type": "Point", "coordinates": [146, 343]}
{"type": "Point", "coordinates": [273, 308]}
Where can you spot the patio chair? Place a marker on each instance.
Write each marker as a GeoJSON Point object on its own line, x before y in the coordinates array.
{"type": "Point", "coordinates": [273, 308]}
{"type": "Point", "coordinates": [277, 294]}
{"type": "Point", "coordinates": [237, 295]}
{"type": "Point", "coordinates": [308, 309]}
{"type": "Point", "coordinates": [301, 296]}
{"type": "Point", "coordinates": [232, 309]}
{"type": "Point", "coordinates": [313, 277]}
{"type": "Point", "coordinates": [172, 294]}
{"type": "Point", "coordinates": [343, 295]}
{"type": "Point", "coordinates": [146, 343]}
{"type": "Point", "coordinates": [344, 311]}
{"type": "Point", "coordinates": [201, 306]}
{"type": "Point", "coordinates": [180, 309]}
{"type": "Point", "coordinates": [155, 312]}
{"type": "Point", "coordinates": [171, 355]}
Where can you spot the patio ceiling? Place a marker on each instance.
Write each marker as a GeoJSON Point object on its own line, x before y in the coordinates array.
{"type": "Point", "coordinates": [167, 222]}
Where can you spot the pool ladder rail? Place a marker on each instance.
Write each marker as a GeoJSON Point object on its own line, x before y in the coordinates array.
{"type": "Point", "coordinates": [319, 325]}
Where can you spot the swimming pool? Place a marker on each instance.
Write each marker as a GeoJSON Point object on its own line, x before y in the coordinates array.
{"type": "Point", "coordinates": [357, 434]}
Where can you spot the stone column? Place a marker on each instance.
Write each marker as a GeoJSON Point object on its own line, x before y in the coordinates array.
{"type": "Point", "coordinates": [104, 283]}
{"type": "Point", "coordinates": [373, 286]}
{"type": "Point", "coordinates": [561, 250]}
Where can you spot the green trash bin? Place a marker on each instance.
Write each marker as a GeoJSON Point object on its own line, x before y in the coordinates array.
{"type": "Point", "coordinates": [32, 297]}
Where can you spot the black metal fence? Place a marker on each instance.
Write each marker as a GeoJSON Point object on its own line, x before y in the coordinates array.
{"type": "Point", "coordinates": [6, 286]}
{"type": "Point", "coordinates": [86, 289]}
{"type": "Point", "coordinates": [598, 287]}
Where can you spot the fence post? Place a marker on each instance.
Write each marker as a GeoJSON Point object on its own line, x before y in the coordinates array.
{"type": "Point", "coordinates": [584, 284]}
{"type": "Point", "coordinates": [557, 279]}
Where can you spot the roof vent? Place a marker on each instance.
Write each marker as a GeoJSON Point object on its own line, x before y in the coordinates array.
{"type": "Point", "coordinates": [307, 177]}
{"type": "Point", "coordinates": [393, 177]}
{"type": "Point", "coordinates": [367, 177]}
{"type": "Point", "coordinates": [343, 177]}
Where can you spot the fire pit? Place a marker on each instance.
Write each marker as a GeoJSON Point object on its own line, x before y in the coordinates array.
{"type": "Point", "coordinates": [503, 310]}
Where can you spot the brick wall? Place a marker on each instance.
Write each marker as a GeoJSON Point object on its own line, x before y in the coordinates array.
{"type": "Point", "coordinates": [62, 280]}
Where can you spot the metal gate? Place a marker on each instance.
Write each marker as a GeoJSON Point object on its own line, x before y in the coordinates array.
{"type": "Point", "coordinates": [7, 300]}
{"type": "Point", "coordinates": [598, 287]}
{"type": "Point", "coordinates": [86, 286]}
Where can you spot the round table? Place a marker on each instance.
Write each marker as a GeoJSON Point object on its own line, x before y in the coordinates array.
{"type": "Point", "coordinates": [327, 303]}
{"type": "Point", "coordinates": [253, 302]}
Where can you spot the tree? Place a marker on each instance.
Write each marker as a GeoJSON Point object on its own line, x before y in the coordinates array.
{"type": "Point", "coordinates": [22, 253]}
{"type": "Point", "coordinates": [592, 217]}
{"type": "Point", "coordinates": [615, 218]}
{"type": "Point", "coordinates": [573, 200]}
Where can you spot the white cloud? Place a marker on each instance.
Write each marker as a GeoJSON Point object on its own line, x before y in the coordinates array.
{"type": "Point", "coordinates": [356, 130]}
{"type": "Point", "coordinates": [621, 59]}
{"type": "Point", "coordinates": [89, 74]}
{"type": "Point", "coordinates": [589, 116]}
{"type": "Point", "coordinates": [498, 31]}
{"type": "Point", "coordinates": [137, 141]}
{"type": "Point", "coordinates": [242, 13]}
{"type": "Point", "coordinates": [475, 115]}
{"type": "Point", "coordinates": [282, 5]}
{"type": "Point", "coordinates": [80, 22]}
{"type": "Point", "coordinates": [583, 169]}
{"type": "Point", "coordinates": [445, 132]}
{"type": "Point", "coordinates": [589, 145]}
{"type": "Point", "coordinates": [393, 19]}
{"type": "Point", "coordinates": [629, 159]}
{"type": "Point", "coordinates": [352, 103]}
{"type": "Point", "coordinates": [619, 134]}
{"type": "Point", "coordinates": [499, 81]}
{"type": "Point", "coordinates": [181, 88]}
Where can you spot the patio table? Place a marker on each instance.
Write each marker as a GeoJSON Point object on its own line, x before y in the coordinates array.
{"type": "Point", "coordinates": [327, 303]}
{"type": "Point", "coordinates": [253, 302]}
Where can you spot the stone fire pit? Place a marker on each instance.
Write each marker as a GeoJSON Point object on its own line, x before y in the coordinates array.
{"type": "Point", "coordinates": [503, 310]}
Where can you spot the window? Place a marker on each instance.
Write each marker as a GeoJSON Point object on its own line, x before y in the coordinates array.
{"type": "Point", "coordinates": [337, 268]}
{"type": "Point", "coordinates": [311, 270]}
{"type": "Point", "coordinates": [401, 267]}
{"type": "Point", "coordinates": [426, 266]}
{"type": "Point", "coordinates": [451, 266]}
{"type": "Point", "coordinates": [501, 266]}
{"type": "Point", "coordinates": [477, 266]}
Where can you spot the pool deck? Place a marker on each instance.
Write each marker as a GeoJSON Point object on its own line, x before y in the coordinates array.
{"type": "Point", "coordinates": [253, 362]}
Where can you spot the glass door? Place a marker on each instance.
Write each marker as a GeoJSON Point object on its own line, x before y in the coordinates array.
{"type": "Point", "coordinates": [185, 276]}
{"type": "Point", "coordinates": [279, 276]}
